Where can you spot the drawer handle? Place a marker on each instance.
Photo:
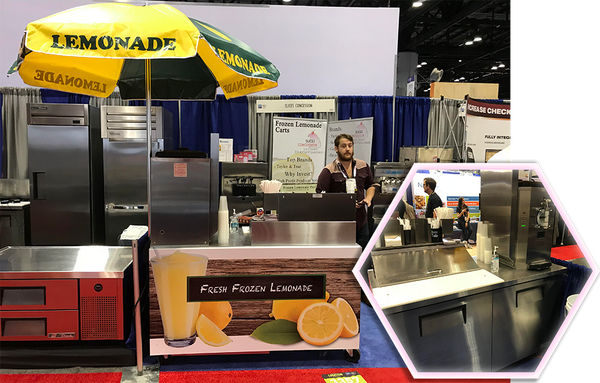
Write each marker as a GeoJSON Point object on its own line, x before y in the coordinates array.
{"type": "Point", "coordinates": [434, 272]}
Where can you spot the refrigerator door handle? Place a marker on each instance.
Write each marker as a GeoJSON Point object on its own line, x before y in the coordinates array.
{"type": "Point", "coordinates": [39, 185]}
{"type": "Point", "coordinates": [112, 206]}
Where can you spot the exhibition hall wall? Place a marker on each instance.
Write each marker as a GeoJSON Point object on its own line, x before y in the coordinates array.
{"type": "Point", "coordinates": [319, 50]}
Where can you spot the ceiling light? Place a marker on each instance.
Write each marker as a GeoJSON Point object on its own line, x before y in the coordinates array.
{"type": "Point", "coordinates": [455, 80]}
{"type": "Point", "coordinates": [469, 43]}
{"type": "Point", "coordinates": [477, 38]}
{"type": "Point", "coordinates": [459, 61]}
{"type": "Point", "coordinates": [501, 66]}
{"type": "Point", "coordinates": [494, 67]}
{"type": "Point", "coordinates": [417, 4]}
{"type": "Point", "coordinates": [462, 78]}
{"type": "Point", "coordinates": [418, 65]}
{"type": "Point", "coordinates": [423, 63]}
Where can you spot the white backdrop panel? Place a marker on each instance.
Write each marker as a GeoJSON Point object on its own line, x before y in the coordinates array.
{"type": "Point", "coordinates": [319, 50]}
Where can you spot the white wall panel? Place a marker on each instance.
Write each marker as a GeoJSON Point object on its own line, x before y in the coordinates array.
{"type": "Point", "coordinates": [319, 50]}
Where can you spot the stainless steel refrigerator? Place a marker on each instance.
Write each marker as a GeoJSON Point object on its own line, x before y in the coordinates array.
{"type": "Point", "coordinates": [185, 197]}
{"type": "Point", "coordinates": [65, 174]}
{"type": "Point", "coordinates": [125, 162]}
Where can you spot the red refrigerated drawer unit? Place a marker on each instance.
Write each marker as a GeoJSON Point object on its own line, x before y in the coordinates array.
{"type": "Point", "coordinates": [101, 308]}
{"type": "Point", "coordinates": [40, 302]}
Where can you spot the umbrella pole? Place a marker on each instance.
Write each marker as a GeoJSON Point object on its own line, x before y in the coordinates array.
{"type": "Point", "coordinates": [136, 287]}
{"type": "Point", "coordinates": [148, 77]}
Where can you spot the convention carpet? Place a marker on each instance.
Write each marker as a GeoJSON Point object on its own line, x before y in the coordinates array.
{"type": "Point", "coordinates": [567, 253]}
{"type": "Point", "coordinates": [103, 377]}
{"type": "Point", "coordinates": [370, 375]}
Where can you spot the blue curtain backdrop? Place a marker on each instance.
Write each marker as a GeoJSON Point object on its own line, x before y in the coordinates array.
{"type": "Point", "coordinates": [412, 115]}
{"type": "Point", "coordinates": [378, 107]}
{"type": "Point", "coordinates": [229, 118]}
{"type": "Point", "coordinates": [199, 119]}
{"type": "Point", "coordinates": [410, 128]}
{"type": "Point", "coordinates": [57, 97]}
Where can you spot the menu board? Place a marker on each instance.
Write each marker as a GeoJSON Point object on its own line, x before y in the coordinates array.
{"type": "Point", "coordinates": [298, 150]}
{"type": "Point", "coordinates": [361, 129]}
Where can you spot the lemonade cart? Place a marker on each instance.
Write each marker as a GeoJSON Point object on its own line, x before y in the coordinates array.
{"type": "Point", "coordinates": [249, 299]}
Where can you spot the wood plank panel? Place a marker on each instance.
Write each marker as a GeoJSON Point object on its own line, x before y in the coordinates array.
{"type": "Point", "coordinates": [248, 315]}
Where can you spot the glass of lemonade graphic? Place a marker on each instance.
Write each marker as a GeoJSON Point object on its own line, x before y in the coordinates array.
{"type": "Point", "coordinates": [170, 276]}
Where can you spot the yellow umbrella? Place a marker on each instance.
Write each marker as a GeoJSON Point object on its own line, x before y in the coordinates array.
{"type": "Point", "coordinates": [148, 52]}
{"type": "Point", "coordinates": [190, 58]}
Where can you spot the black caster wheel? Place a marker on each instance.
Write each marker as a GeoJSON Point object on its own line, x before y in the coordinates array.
{"type": "Point", "coordinates": [352, 356]}
{"type": "Point", "coordinates": [165, 360]}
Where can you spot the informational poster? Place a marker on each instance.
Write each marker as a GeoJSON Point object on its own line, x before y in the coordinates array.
{"type": "Point", "coordinates": [225, 149]}
{"type": "Point", "coordinates": [361, 129]}
{"type": "Point", "coordinates": [471, 201]}
{"type": "Point", "coordinates": [410, 86]}
{"type": "Point", "coordinates": [487, 129]}
{"type": "Point", "coordinates": [450, 185]}
{"type": "Point", "coordinates": [298, 150]}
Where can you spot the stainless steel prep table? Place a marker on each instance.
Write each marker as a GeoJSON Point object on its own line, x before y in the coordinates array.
{"type": "Point", "coordinates": [511, 277]}
{"type": "Point", "coordinates": [41, 262]}
{"type": "Point", "coordinates": [482, 328]}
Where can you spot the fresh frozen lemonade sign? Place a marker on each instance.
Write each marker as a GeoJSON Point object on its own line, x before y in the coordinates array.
{"type": "Point", "coordinates": [255, 287]}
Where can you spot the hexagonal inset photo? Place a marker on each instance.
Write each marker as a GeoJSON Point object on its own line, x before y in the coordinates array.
{"type": "Point", "coordinates": [475, 268]}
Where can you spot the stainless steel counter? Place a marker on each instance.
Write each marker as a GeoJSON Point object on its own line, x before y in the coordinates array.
{"type": "Point", "coordinates": [458, 325]}
{"type": "Point", "coordinates": [295, 233]}
{"type": "Point", "coordinates": [53, 262]}
{"type": "Point", "coordinates": [456, 274]}
{"type": "Point", "coordinates": [511, 277]}
{"type": "Point", "coordinates": [292, 233]}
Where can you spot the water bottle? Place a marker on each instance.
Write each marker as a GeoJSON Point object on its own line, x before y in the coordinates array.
{"type": "Point", "coordinates": [234, 224]}
{"type": "Point", "coordinates": [495, 261]}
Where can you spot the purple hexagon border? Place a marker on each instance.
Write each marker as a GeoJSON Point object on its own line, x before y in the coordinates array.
{"type": "Point", "coordinates": [473, 375]}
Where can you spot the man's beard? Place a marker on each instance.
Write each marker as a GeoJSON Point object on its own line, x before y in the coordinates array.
{"type": "Point", "coordinates": [343, 158]}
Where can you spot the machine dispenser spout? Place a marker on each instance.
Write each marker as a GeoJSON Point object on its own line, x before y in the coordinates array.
{"type": "Point", "coordinates": [543, 214]}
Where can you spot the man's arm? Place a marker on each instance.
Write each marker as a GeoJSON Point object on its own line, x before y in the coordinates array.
{"type": "Point", "coordinates": [370, 186]}
{"type": "Point", "coordinates": [369, 195]}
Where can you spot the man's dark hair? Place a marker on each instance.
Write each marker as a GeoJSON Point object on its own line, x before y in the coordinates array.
{"type": "Point", "coordinates": [343, 135]}
{"type": "Point", "coordinates": [431, 182]}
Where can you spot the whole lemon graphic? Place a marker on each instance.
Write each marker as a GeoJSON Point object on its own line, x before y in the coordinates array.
{"type": "Point", "coordinates": [220, 312]}
{"type": "Point", "coordinates": [291, 309]}
{"type": "Point", "coordinates": [320, 324]}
